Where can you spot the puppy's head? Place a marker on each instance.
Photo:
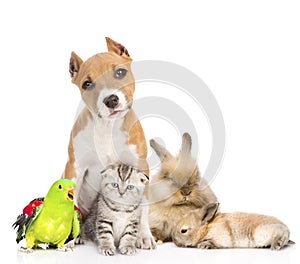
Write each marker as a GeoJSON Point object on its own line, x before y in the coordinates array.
{"type": "Point", "coordinates": [105, 80]}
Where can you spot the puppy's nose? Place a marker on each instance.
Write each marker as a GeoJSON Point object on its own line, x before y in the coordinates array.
{"type": "Point", "coordinates": [111, 101]}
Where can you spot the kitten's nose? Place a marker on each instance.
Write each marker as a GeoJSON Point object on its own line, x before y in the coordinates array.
{"type": "Point", "coordinates": [121, 192]}
{"type": "Point", "coordinates": [111, 101]}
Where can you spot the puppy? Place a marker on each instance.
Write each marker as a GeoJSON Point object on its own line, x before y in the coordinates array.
{"type": "Point", "coordinates": [106, 130]}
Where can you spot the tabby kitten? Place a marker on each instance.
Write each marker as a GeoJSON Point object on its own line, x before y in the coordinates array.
{"type": "Point", "coordinates": [114, 219]}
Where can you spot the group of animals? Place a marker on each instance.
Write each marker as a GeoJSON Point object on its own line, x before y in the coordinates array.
{"type": "Point", "coordinates": [119, 207]}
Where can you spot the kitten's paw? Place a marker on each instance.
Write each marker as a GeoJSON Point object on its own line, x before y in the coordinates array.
{"type": "Point", "coordinates": [127, 250]}
{"type": "Point", "coordinates": [146, 242]}
{"type": "Point", "coordinates": [107, 250]}
{"type": "Point", "coordinates": [206, 245]}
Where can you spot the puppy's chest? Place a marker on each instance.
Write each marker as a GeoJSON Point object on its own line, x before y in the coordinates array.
{"type": "Point", "coordinates": [104, 142]}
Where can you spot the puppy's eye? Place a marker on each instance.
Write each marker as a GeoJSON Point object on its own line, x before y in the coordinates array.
{"type": "Point", "coordinates": [183, 231]}
{"type": "Point", "coordinates": [120, 73]}
{"type": "Point", "coordinates": [115, 185]}
{"type": "Point", "coordinates": [88, 85]}
{"type": "Point", "coordinates": [60, 187]}
{"type": "Point", "coordinates": [130, 187]}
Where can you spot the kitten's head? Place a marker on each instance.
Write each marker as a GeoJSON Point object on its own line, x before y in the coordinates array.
{"type": "Point", "coordinates": [178, 180]}
{"type": "Point", "coordinates": [123, 184]}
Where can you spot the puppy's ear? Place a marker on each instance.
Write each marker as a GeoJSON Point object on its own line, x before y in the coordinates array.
{"type": "Point", "coordinates": [74, 65]}
{"type": "Point", "coordinates": [116, 47]}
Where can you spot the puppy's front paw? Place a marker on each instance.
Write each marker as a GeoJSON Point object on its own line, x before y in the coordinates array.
{"type": "Point", "coordinates": [79, 240]}
{"type": "Point", "coordinates": [146, 241]}
{"type": "Point", "coordinates": [107, 250]}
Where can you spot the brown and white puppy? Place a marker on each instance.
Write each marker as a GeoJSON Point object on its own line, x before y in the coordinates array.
{"type": "Point", "coordinates": [106, 130]}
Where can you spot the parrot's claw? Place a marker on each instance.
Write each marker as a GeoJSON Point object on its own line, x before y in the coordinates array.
{"type": "Point", "coordinates": [70, 244]}
{"type": "Point", "coordinates": [26, 250]}
{"type": "Point", "coordinates": [64, 248]}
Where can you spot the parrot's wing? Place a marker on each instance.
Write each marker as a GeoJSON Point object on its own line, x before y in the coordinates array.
{"type": "Point", "coordinates": [76, 224]}
{"type": "Point", "coordinates": [24, 220]}
{"type": "Point", "coordinates": [77, 221]}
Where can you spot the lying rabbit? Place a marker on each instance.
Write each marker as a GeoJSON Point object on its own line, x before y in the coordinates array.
{"type": "Point", "coordinates": [203, 228]}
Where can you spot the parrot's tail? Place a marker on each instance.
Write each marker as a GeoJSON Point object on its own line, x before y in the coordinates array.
{"type": "Point", "coordinates": [20, 224]}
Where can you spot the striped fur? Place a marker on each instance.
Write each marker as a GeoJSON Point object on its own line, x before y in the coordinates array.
{"type": "Point", "coordinates": [115, 218]}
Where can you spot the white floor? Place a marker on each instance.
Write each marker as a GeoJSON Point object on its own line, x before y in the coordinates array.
{"type": "Point", "coordinates": [165, 253]}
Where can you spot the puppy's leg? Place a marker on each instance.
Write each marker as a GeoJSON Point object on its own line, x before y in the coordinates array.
{"type": "Point", "coordinates": [145, 239]}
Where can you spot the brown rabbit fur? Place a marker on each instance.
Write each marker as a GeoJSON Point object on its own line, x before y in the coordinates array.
{"type": "Point", "coordinates": [176, 189]}
{"type": "Point", "coordinates": [204, 228]}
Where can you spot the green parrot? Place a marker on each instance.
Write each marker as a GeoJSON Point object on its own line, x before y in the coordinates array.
{"type": "Point", "coordinates": [52, 220]}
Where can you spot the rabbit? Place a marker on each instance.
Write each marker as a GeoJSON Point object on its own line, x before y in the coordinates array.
{"type": "Point", "coordinates": [175, 189]}
{"type": "Point", "coordinates": [205, 228]}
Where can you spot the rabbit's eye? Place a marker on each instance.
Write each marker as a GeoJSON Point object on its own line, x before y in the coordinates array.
{"type": "Point", "coordinates": [183, 231]}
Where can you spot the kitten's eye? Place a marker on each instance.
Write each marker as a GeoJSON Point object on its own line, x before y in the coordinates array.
{"type": "Point", "coordinates": [130, 187]}
{"type": "Point", "coordinates": [115, 185]}
{"type": "Point", "coordinates": [120, 73]}
{"type": "Point", "coordinates": [88, 85]}
{"type": "Point", "coordinates": [183, 231]}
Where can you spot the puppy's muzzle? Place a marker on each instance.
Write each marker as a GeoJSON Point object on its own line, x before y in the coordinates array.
{"type": "Point", "coordinates": [111, 101]}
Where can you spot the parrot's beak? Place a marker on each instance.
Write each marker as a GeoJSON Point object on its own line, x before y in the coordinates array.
{"type": "Point", "coordinates": [71, 194]}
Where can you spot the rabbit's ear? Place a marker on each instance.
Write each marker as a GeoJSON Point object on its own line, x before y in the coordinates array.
{"type": "Point", "coordinates": [208, 212]}
{"type": "Point", "coordinates": [186, 145]}
{"type": "Point", "coordinates": [161, 151]}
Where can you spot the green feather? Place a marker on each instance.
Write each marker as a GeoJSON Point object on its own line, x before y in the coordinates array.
{"type": "Point", "coordinates": [56, 218]}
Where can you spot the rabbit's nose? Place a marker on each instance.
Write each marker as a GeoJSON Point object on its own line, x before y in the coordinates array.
{"type": "Point", "coordinates": [185, 192]}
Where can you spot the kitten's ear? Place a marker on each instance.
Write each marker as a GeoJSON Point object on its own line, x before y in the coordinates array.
{"type": "Point", "coordinates": [144, 178]}
{"type": "Point", "coordinates": [186, 145]}
{"type": "Point", "coordinates": [161, 151]}
{"type": "Point", "coordinates": [208, 212]}
{"type": "Point", "coordinates": [106, 172]}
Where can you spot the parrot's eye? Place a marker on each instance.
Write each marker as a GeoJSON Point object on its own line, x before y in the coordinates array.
{"type": "Point", "coordinates": [60, 187]}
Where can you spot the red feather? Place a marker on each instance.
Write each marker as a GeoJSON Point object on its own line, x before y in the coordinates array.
{"type": "Point", "coordinates": [27, 211]}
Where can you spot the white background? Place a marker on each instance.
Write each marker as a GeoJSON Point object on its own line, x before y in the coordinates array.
{"type": "Point", "coordinates": [247, 52]}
